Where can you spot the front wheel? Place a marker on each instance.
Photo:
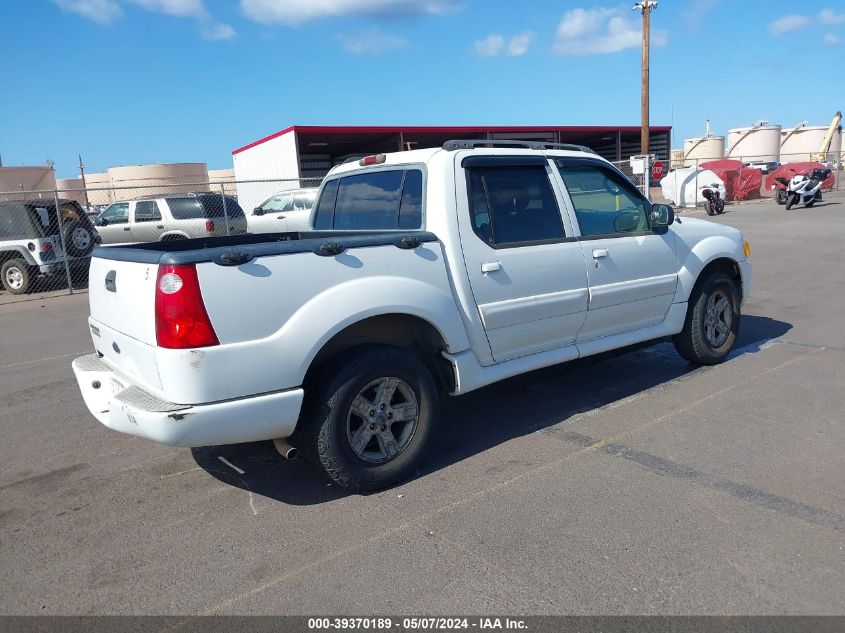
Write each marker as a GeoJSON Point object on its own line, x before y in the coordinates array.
{"type": "Point", "coordinates": [791, 200]}
{"type": "Point", "coordinates": [371, 418]}
{"type": "Point", "coordinates": [780, 196]}
{"type": "Point", "coordinates": [708, 206]}
{"type": "Point", "coordinates": [712, 322]}
{"type": "Point", "coordinates": [720, 206]}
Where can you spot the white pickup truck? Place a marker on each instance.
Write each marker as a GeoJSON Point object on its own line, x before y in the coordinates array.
{"type": "Point", "coordinates": [423, 273]}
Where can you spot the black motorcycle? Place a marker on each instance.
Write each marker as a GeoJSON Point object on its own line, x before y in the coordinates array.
{"type": "Point", "coordinates": [713, 202]}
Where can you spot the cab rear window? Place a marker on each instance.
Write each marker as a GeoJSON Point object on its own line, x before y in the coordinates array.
{"type": "Point", "coordinates": [388, 199]}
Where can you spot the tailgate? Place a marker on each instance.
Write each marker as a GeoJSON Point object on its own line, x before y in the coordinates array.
{"type": "Point", "coordinates": [122, 297]}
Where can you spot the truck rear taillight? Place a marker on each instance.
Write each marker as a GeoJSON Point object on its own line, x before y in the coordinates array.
{"type": "Point", "coordinates": [181, 318]}
{"type": "Point", "coordinates": [46, 247]}
{"type": "Point", "coordinates": [209, 226]}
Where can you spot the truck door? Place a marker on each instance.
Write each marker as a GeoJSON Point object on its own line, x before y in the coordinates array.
{"type": "Point", "coordinates": [147, 225]}
{"type": "Point", "coordinates": [526, 269]}
{"type": "Point", "coordinates": [633, 268]}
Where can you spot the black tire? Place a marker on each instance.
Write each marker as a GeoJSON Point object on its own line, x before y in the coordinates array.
{"type": "Point", "coordinates": [790, 201]}
{"type": "Point", "coordinates": [810, 203]}
{"type": "Point", "coordinates": [720, 206]}
{"type": "Point", "coordinates": [79, 240]}
{"type": "Point", "coordinates": [16, 275]}
{"type": "Point", "coordinates": [329, 426]}
{"type": "Point", "coordinates": [819, 195]}
{"type": "Point", "coordinates": [780, 196]}
{"type": "Point", "coordinates": [694, 343]}
{"type": "Point", "coordinates": [708, 206]}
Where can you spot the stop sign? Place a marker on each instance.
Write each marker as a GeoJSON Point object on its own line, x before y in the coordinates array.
{"type": "Point", "coordinates": [657, 170]}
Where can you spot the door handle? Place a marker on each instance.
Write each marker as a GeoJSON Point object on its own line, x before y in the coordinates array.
{"type": "Point", "coordinates": [598, 253]}
{"type": "Point", "coordinates": [280, 217]}
{"type": "Point", "coordinates": [159, 226]}
{"type": "Point", "coordinates": [125, 228]}
{"type": "Point", "coordinates": [490, 267]}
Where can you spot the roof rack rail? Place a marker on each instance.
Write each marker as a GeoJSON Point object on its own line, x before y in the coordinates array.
{"type": "Point", "coordinates": [473, 143]}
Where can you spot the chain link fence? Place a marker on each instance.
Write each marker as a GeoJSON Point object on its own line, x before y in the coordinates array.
{"type": "Point", "coordinates": [47, 236]}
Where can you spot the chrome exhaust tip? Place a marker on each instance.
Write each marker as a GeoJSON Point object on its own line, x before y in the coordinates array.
{"type": "Point", "coordinates": [284, 449]}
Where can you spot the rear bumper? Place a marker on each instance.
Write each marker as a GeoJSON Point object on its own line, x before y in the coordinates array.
{"type": "Point", "coordinates": [129, 409]}
{"type": "Point", "coordinates": [59, 267]}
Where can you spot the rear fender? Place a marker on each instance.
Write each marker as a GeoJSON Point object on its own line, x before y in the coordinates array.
{"type": "Point", "coordinates": [14, 251]}
{"type": "Point", "coordinates": [365, 298]}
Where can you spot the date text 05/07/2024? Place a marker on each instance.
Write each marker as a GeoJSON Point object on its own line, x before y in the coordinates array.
{"type": "Point", "coordinates": [416, 623]}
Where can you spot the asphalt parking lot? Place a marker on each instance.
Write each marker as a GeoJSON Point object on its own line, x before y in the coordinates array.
{"type": "Point", "coordinates": [632, 483]}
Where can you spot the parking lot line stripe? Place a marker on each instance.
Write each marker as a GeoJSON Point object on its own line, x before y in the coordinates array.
{"type": "Point", "coordinates": [230, 465]}
{"type": "Point", "coordinates": [40, 360]}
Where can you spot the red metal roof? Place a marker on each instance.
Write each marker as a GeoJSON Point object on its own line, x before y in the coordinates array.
{"type": "Point", "coordinates": [457, 130]}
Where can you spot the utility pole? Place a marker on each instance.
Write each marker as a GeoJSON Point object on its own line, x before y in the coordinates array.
{"type": "Point", "coordinates": [84, 186]}
{"type": "Point", "coordinates": [646, 6]}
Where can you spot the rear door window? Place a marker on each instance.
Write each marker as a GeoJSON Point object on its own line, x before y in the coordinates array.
{"type": "Point", "coordinates": [147, 211]}
{"type": "Point", "coordinates": [513, 205]}
{"type": "Point", "coordinates": [16, 222]}
{"type": "Point", "coordinates": [378, 200]}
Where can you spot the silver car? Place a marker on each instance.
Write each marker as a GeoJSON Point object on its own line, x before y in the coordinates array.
{"type": "Point", "coordinates": [171, 217]}
{"type": "Point", "coordinates": [286, 211]}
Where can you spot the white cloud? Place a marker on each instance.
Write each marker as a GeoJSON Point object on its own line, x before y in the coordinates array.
{"type": "Point", "coordinates": [788, 23]}
{"type": "Point", "coordinates": [600, 31]}
{"type": "Point", "coordinates": [179, 8]}
{"type": "Point", "coordinates": [216, 31]}
{"type": "Point", "coordinates": [373, 42]}
{"type": "Point", "coordinates": [495, 44]}
{"type": "Point", "coordinates": [832, 40]}
{"type": "Point", "coordinates": [519, 44]}
{"type": "Point", "coordinates": [490, 46]}
{"type": "Point", "coordinates": [296, 12]}
{"type": "Point", "coordinates": [831, 17]}
{"type": "Point", "coordinates": [100, 11]}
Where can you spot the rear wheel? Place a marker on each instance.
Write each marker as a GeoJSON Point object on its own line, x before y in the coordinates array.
{"type": "Point", "coordinates": [708, 206]}
{"type": "Point", "coordinates": [780, 196]}
{"type": "Point", "coordinates": [712, 322]}
{"type": "Point", "coordinates": [370, 418]}
{"type": "Point", "coordinates": [16, 276]}
{"type": "Point", "coordinates": [720, 206]}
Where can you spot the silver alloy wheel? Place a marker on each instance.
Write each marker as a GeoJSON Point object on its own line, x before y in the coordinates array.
{"type": "Point", "coordinates": [14, 277]}
{"type": "Point", "coordinates": [81, 238]}
{"type": "Point", "coordinates": [382, 420]}
{"type": "Point", "coordinates": [718, 317]}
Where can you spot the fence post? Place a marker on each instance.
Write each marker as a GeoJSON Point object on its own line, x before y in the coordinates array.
{"type": "Point", "coordinates": [695, 193]}
{"type": "Point", "coordinates": [225, 210]}
{"type": "Point", "coordinates": [65, 255]}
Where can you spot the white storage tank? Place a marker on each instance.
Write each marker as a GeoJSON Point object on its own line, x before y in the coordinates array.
{"type": "Point", "coordinates": [804, 141]}
{"type": "Point", "coordinates": [702, 149]}
{"type": "Point", "coordinates": [146, 180]}
{"type": "Point", "coordinates": [759, 143]}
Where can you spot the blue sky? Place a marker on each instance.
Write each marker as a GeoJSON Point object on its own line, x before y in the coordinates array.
{"type": "Point", "coordinates": [139, 81]}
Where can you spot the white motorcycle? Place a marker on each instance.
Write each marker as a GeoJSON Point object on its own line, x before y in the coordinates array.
{"type": "Point", "coordinates": [806, 190]}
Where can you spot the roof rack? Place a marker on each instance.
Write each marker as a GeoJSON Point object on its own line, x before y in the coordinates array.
{"type": "Point", "coordinates": [472, 144]}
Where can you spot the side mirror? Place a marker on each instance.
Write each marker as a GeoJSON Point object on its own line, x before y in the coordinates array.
{"type": "Point", "coordinates": [258, 211]}
{"type": "Point", "coordinates": [101, 222]}
{"type": "Point", "coordinates": [662, 215]}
